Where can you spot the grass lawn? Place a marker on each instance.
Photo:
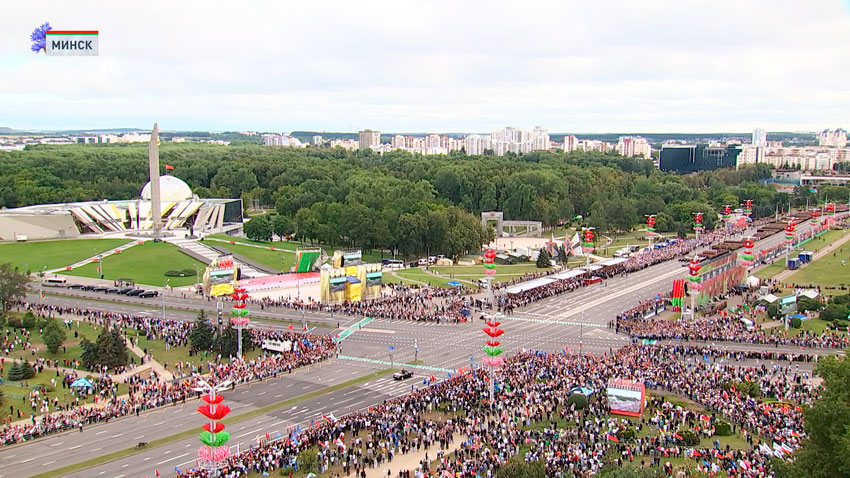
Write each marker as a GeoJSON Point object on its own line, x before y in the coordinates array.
{"type": "Point", "coordinates": [145, 264]}
{"type": "Point", "coordinates": [71, 344]}
{"type": "Point", "coordinates": [830, 271]}
{"type": "Point", "coordinates": [173, 355]}
{"type": "Point", "coordinates": [282, 261]}
{"type": "Point", "coordinates": [412, 276]}
{"type": "Point", "coordinates": [817, 326]}
{"type": "Point", "coordinates": [34, 256]}
{"type": "Point", "coordinates": [287, 245]}
{"type": "Point", "coordinates": [473, 273]}
{"type": "Point", "coordinates": [767, 272]}
{"type": "Point", "coordinates": [17, 393]}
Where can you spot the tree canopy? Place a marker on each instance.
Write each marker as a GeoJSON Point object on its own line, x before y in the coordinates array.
{"type": "Point", "coordinates": [13, 285]}
{"type": "Point", "coordinates": [363, 199]}
{"type": "Point", "coordinates": [826, 451]}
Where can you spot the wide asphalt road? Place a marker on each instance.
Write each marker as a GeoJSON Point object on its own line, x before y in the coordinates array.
{"type": "Point", "coordinates": [574, 322]}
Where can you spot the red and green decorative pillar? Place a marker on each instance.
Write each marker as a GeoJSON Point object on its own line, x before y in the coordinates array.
{"type": "Point", "coordinates": [493, 350]}
{"type": "Point", "coordinates": [214, 453]}
{"type": "Point", "coordinates": [240, 314]}
{"type": "Point", "coordinates": [698, 223]}
{"type": "Point", "coordinates": [694, 283]}
{"type": "Point", "coordinates": [747, 257]}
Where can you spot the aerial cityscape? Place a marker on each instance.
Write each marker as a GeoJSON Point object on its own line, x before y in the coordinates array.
{"type": "Point", "coordinates": [425, 240]}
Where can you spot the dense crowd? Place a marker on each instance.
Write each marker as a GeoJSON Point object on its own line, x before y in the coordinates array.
{"type": "Point", "coordinates": [151, 391]}
{"type": "Point", "coordinates": [508, 302]}
{"type": "Point", "coordinates": [729, 327]}
{"type": "Point", "coordinates": [534, 389]}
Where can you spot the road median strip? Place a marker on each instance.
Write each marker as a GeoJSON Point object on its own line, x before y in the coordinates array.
{"type": "Point", "coordinates": [116, 455]}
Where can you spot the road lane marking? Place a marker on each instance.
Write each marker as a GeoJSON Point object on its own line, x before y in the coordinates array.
{"type": "Point", "coordinates": [170, 459]}
{"type": "Point", "coordinates": [248, 433]}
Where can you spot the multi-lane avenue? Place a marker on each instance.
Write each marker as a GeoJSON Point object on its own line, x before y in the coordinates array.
{"type": "Point", "coordinates": [573, 321]}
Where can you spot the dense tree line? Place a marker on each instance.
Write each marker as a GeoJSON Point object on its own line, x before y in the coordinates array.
{"type": "Point", "coordinates": [399, 200]}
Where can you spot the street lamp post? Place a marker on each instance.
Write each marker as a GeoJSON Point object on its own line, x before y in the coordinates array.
{"type": "Point", "coordinates": [415, 350]}
{"type": "Point", "coordinates": [40, 285]}
{"type": "Point", "coordinates": [164, 289]}
{"type": "Point", "coordinates": [392, 363]}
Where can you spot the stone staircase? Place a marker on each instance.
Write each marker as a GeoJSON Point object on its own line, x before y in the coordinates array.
{"type": "Point", "coordinates": [208, 253]}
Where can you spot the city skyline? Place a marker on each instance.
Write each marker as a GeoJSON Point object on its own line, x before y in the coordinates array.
{"type": "Point", "coordinates": [653, 67]}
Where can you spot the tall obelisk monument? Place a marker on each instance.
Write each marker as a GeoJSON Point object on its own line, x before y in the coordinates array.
{"type": "Point", "coordinates": [153, 163]}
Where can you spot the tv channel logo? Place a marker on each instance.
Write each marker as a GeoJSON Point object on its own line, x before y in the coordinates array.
{"type": "Point", "coordinates": [64, 42]}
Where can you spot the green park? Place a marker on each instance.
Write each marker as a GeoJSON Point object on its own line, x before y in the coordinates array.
{"type": "Point", "coordinates": [145, 263]}
{"type": "Point", "coordinates": [39, 255]}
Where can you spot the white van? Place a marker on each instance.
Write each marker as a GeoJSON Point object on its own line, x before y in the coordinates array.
{"type": "Point", "coordinates": [55, 282]}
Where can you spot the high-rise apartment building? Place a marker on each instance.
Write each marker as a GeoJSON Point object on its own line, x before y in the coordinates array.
{"type": "Point", "coordinates": [630, 146]}
{"type": "Point", "coordinates": [570, 143]}
{"type": "Point", "coordinates": [836, 138]}
{"type": "Point", "coordinates": [759, 137]}
{"type": "Point", "coordinates": [369, 139]}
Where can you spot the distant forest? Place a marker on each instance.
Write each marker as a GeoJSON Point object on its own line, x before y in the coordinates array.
{"type": "Point", "coordinates": [399, 199]}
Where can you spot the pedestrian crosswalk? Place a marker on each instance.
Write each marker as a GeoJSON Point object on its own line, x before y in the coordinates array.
{"type": "Point", "coordinates": [549, 321]}
{"type": "Point", "coordinates": [391, 364]}
{"type": "Point", "coordinates": [354, 328]}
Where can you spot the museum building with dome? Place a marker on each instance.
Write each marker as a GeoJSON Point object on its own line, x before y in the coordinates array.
{"type": "Point", "coordinates": [180, 209]}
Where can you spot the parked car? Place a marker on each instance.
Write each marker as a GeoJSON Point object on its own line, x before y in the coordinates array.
{"type": "Point", "coordinates": [88, 287]}
{"type": "Point", "coordinates": [112, 290]}
{"type": "Point", "coordinates": [100, 288]}
{"type": "Point", "coordinates": [135, 292]}
{"type": "Point", "coordinates": [148, 294]}
{"type": "Point", "coordinates": [75, 286]}
{"type": "Point", "coordinates": [126, 290]}
{"type": "Point", "coordinates": [404, 374]}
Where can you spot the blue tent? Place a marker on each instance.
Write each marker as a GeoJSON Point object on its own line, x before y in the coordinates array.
{"type": "Point", "coordinates": [799, 316]}
{"type": "Point", "coordinates": [454, 283]}
{"type": "Point", "coordinates": [82, 383]}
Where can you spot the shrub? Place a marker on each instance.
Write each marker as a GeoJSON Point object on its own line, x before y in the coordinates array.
{"type": "Point", "coordinates": [806, 304]}
{"type": "Point", "coordinates": [27, 371]}
{"type": "Point", "coordinates": [15, 322]}
{"type": "Point", "coordinates": [577, 399]}
{"type": "Point", "coordinates": [181, 273]}
{"type": "Point", "coordinates": [308, 461]}
{"type": "Point", "coordinates": [28, 321]}
{"type": "Point", "coordinates": [15, 373]}
{"type": "Point", "coordinates": [689, 437]}
{"type": "Point", "coordinates": [773, 310]}
{"type": "Point", "coordinates": [2, 319]}
{"type": "Point", "coordinates": [722, 429]}
{"type": "Point", "coordinates": [796, 322]}
{"type": "Point", "coordinates": [834, 312]}
{"type": "Point", "coordinates": [627, 434]}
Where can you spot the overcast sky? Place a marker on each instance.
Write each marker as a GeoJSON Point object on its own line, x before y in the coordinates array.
{"type": "Point", "coordinates": [433, 66]}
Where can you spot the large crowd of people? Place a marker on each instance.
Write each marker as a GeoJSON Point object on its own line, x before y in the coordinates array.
{"type": "Point", "coordinates": [535, 389]}
{"type": "Point", "coordinates": [147, 391]}
{"type": "Point", "coordinates": [727, 327]}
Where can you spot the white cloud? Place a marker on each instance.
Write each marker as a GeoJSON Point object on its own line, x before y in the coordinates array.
{"type": "Point", "coordinates": [434, 66]}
